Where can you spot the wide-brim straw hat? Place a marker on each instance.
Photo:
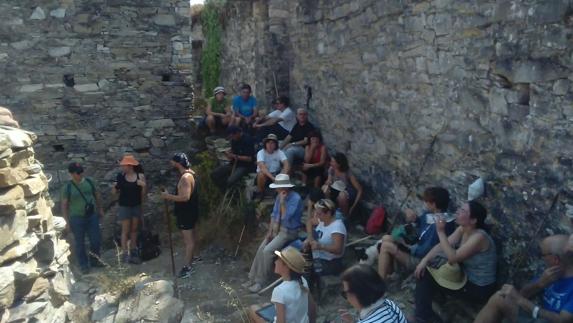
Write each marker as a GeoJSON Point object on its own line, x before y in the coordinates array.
{"type": "Point", "coordinates": [128, 160]}
{"type": "Point", "coordinates": [271, 136]}
{"type": "Point", "coordinates": [292, 258]}
{"type": "Point", "coordinates": [449, 276]}
{"type": "Point", "coordinates": [339, 186]}
{"type": "Point", "coordinates": [282, 181]}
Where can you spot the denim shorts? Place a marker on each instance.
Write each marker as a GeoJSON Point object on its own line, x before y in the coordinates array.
{"type": "Point", "coordinates": [128, 212]}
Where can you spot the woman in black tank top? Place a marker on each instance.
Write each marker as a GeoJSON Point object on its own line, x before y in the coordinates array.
{"type": "Point", "coordinates": [131, 188]}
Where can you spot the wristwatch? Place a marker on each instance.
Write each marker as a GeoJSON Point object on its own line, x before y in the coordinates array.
{"type": "Point", "coordinates": [535, 312]}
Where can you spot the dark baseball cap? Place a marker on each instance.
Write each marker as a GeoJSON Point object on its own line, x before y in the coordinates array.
{"type": "Point", "coordinates": [75, 168]}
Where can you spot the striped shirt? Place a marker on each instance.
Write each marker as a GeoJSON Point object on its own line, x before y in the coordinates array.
{"type": "Point", "coordinates": [382, 311]}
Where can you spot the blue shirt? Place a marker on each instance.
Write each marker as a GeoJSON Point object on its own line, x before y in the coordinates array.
{"type": "Point", "coordinates": [558, 296]}
{"type": "Point", "coordinates": [292, 218]}
{"type": "Point", "coordinates": [428, 235]}
{"type": "Point", "coordinates": [244, 108]}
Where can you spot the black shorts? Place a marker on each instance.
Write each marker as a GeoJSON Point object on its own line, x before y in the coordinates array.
{"type": "Point", "coordinates": [186, 221]}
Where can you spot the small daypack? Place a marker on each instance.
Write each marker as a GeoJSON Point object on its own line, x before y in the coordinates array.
{"type": "Point", "coordinates": [376, 221]}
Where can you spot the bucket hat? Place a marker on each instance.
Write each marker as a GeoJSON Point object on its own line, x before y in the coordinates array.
{"type": "Point", "coordinates": [339, 186]}
{"type": "Point", "coordinates": [282, 181]}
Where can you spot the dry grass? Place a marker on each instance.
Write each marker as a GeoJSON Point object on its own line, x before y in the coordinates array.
{"type": "Point", "coordinates": [116, 280]}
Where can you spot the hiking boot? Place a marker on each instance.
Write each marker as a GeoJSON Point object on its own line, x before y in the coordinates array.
{"type": "Point", "coordinates": [185, 272]}
{"type": "Point", "coordinates": [124, 257]}
{"type": "Point", "coordinates": [255, 288]}
{"type": "Point", "coordinates": [134, 257]}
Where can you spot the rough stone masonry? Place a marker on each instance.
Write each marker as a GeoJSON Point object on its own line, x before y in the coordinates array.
{"type": "Point", "coordinates": [94, 79]}
{"type": "Point", "coordinates": [422, 93]}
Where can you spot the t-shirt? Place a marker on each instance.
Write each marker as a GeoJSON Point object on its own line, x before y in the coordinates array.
{"type": "Point", "coordinates": [218, 106]}
{"type": "Point", "coordinates": [558, 296]}
{"type": "Point", "coordinates": [245, 146]}
{"type": "Point", "coordinates": [245, 108]}
{"type": "Point", "coordinates": [299, 132]}
{"type": "Point", "coordinates": [325, 239]}
{"type": "Point", "coordinates": [273, 161]}
{"type": "Point", "coordinates": [294, 298]}
{"type": "Point", "coordinates": [76, 204]}
{"type": "Point", "coordinates": [288, 118]}
{"type": "Point", "coordinates": [382, 311]}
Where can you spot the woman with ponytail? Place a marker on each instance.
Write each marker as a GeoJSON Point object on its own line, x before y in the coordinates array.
{"type": "Point", "coordinates": [471, 251]}
{"type": "Point", "coordinates": [292, 301]}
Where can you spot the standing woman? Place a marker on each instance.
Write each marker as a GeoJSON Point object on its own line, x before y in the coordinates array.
{"type": "Point", "coordinates": [292, 301]}
{"type": "Point", "coordinates": [130, 184]}
{"type": "Point", "coordinates": [340, 171]}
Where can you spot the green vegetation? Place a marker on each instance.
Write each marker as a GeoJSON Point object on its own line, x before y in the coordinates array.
{"type": "Point", "coordinates": [211, 56]}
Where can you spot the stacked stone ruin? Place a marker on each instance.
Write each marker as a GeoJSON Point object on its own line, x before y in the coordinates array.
{"type": "Point", "coordinates": [35, 277]}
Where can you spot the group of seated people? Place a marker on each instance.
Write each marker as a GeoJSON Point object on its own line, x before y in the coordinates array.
{"type": "Point", "coordinates": [287, 141]}
{"type": "Point", "coordinates": [452, 255]}
{"type": "Point", "coordinates": [449, 254]}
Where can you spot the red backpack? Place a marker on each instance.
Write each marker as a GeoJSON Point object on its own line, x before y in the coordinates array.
{"type": "Point", "coordinates": [376, 221]}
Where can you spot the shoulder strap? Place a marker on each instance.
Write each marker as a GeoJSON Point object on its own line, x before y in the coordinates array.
{"type": "Point", "coordinates": [80, 191]}
{"type": "Point", "coordinates": [69, 190]}
{"type": "Point", "coordinates": [91, 185]}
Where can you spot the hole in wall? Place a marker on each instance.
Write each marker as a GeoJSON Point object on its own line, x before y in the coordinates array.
{"type": "Point", "coordinates": [523, 93]}
{"type": "Point", "coordinates": [165, 77]}
{"type": "Point", "coordinates": [58, 148]}
{"type": "Point", "coordinates": [69, 80]}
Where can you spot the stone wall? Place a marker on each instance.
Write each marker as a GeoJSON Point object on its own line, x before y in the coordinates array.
{"type": "Point", "coordinates": [95, 79]}
{"type": "Point", "coordinates": [439, 92]}
{"type": "Point", "coordinates": [35, 278]}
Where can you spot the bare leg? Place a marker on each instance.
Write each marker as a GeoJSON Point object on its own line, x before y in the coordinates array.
{"type": "Point", "coordinates": [253, 316]}
{"type": "Point", "coordinates": [211, 123]}
{"type": "Point", "coordinates": [497, 308]}
{"type": "Point", "coordinates": [133, 232]}
{"type": "Point", "coordinates": [385, 258]}
{"type": "Point", "coordinates": [124, 235]}
{"type": "Point", "coordinates": [261, 181]}
{"type": "Point", "coordinates": [189, 240]}
{"type": "Point", "coordinates": [317, 181]}
{"type": "Point", "coordinates": [343, 202]}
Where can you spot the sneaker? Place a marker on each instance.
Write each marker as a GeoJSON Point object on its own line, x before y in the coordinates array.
{"type": "Point", "coordinates": [255, 288]}
{"type": "Point", "coordinates": [134, 257]}
{"type": "Point", "coordinates": [124, 257]}
{"type": "Point", "coordinates": [185, 272]}
{"type": "Point", "coordinates": [247, 284]}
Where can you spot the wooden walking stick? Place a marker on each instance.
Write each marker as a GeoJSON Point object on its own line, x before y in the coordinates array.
{"type": "Point", "coordinates": [272, 285]}
{"type": "Point", "coordinates": [240, 239]}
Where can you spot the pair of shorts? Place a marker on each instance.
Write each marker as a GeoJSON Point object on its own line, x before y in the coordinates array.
{"type": "Point", "coordinates": [186, 221]}
{"type": "Point", "coordinates": [128, 212]}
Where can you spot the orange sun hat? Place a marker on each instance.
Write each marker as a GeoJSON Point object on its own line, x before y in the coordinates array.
{"type": "Point", "coordinates": [128, 160]}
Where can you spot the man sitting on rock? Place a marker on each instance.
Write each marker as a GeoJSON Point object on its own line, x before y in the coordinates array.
{"type": "Point", "coordinates": [218, 113]}
{"type": "Point", "coordinates": [555, 284]}
{"type": "Point", "coordinates": [280, 121]}
{"type": "Point", "coordinates": [407, 249]}
{"type": "Point", "coordinates": [241, 157]}
{"type": "Point", "coordinates": [244, 107]}
{"type": "Point", "coordinates": [283, 228]}
{"type": "Point", "coordinates": [82, 209]}
{"type": "Point", "coordinates": [297, 139]}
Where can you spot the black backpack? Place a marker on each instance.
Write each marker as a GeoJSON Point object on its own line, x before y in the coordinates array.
{"type": "Point", "coordinates": [149, 245]}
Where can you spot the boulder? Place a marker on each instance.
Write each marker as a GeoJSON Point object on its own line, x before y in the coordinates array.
{"type": "Point", "coordinates": [12, 228]}
{"type": "Point", "coordinates": [25, 274]}
{"type": "Point", "coordinates": [26, 310]}
{"type": "Point", "coordinates": [11, 176]}
{"type": "Point", "coordinates": [60, 286]}
{"type": "Point", "coordinates": [104, 306]}
{"type": "Point", "coordinates": [19, 138]}
{"type": "Point", "coordinates": [39, 287]}
{"type": "Point", "coordinates": [33, 185]}
{"type": "Point", "coordinates": [5, 142]}
{"type": "Point", "coordinates": [24, 248]}
{"type": "Point", "coordinates": [38, 14]}
{"type": "Point", "coordinates": [151, 301]}
{"type": "Point", "coordinates": [11, 199]}
{"type": "Point", "coordinates": [7, 288]}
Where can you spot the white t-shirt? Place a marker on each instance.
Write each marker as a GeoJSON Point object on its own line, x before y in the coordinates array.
{"type": "Point", "coordinates": [273, 161]}
{"type": "Point", "coordinates": [295, 300]}
{"type": "Point", "coordinates": [325, 239]}
{"type": "Point", "coordinates": [288, 118]}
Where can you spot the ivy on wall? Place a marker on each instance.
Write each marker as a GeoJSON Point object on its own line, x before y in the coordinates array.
{"type": "Point", "coordinates": [211, 56]}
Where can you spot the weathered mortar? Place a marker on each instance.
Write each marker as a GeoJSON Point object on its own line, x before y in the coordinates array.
{"type": "Point", "coordinates": [95, 79]}
{"type": "Point", "coordinates": [489, 80]}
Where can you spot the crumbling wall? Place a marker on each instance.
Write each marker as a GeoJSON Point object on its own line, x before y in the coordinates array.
{"type": "Point", "coordinates": [95, 79]}
{"type": "Point", "coordinates": [35, 277]}
{"type": "Point", "coordinates": [421, 93]}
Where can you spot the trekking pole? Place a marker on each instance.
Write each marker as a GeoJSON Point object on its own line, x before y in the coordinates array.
{"type": "Point", "coordinates": [168, 222]}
